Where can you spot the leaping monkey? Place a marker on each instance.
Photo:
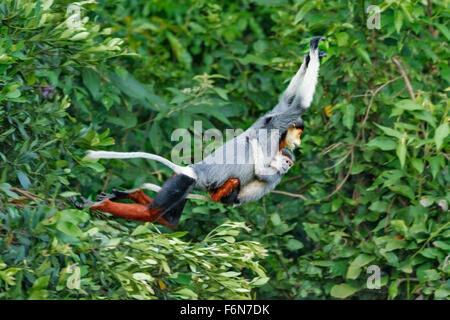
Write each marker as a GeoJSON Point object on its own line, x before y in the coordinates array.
{"type": "Point", "coordinates": [228, 175]}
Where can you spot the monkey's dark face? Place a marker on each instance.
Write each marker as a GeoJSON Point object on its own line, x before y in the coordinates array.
{"type": "Point", "coordinates": [293, 137]}
{"type": "Point", "coordinates": [287, 163]}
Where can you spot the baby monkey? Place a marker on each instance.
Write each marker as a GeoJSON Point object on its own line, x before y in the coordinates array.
{"type": "Point", "coordinates": [267, 177]}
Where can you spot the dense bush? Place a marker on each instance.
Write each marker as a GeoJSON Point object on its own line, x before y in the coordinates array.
{"type": "Point", "coordinates": [370, 186]}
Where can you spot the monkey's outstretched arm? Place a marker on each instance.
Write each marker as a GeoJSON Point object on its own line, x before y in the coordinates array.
{"type": "Point", "coordinates": [298, 96]}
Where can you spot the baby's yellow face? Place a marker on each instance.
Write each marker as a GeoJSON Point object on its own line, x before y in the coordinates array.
{"type": "Point", "coordinates": [293, 138]}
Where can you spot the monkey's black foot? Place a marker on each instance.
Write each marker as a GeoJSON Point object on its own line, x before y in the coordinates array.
{"type": "Point", "coordinates": [122, 194]}
{"type": "Point", "coordinates": [314, 43]}
{"type": "Point", "coordinates": [81, 205]}
{"type": "Point", "coordinates": [103, 196]}
{"type": "Point", "coordinates": [115, 195]}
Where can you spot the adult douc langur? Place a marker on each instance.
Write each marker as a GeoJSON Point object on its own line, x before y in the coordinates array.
{"type": "Point", "coordinates": [229, 167]}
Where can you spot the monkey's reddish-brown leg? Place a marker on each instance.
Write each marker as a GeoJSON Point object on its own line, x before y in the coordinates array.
{"type": "Point", "coordinates": [137, 196]}
{"type": "Point", "coordinates": [225, 189]}
{"type": "Point", "coordinates": [137, 212]}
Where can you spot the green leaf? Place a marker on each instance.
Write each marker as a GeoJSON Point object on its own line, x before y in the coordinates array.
{"type": "Point", "coordinates": [37, 291]}
{"type": "Point", "coordinates": [436, 163]}
{"type": "Point", "coordinates": [398, 22]}
{"type": "Point", "coordinates": [221, 92]}
{"type": "Point", "coordinates": [140, 276]}
{"type": "Point", "coordinates": [379, 206]}
{"type": "Point", "coordinates": [178, 50]}
{"type": "Point", "coordinates": [390, 132]}
{"type": "Point", "coordinates": [393, 290]}
{"type": "Point", "coordinates": [349, 116]}
{"type": "Point", "coordinates": [260, 281]}
{"type": "Point", "coordinates": [5, 187]}
{"type": "Point", "coordinates": [275, 218]}
{"type": "Point", "coordinates": [399, 226]}
{"type": "Point", "coordinates": [440, 135]}
{"type": "Point", "coordinates": [363, 54]}
{"type": "Point", "coordinates": [253, 59]}
{"type": "Point", "coordinates": [230, 274]}
{"type": "Point", "coordinates": [24, 180]}
{"type": "Point", "coordinates": [294, 245]}
{"type": "Point", "coordinates": [382, 143]}
{"type": "Point", "coordinates": [342, 39]}
{"type": "Point", "coordinates": [443, 245]}
{"type": "Point", "coordinates": [303, 11]}
{"type": "Point", "coordinates": [442, 28]}
{"type": "Point", "coordinates": [353, 272]}
{"type": "Point", "coordinates": [187, 293]}
{"type": "Point", "coordinates": [178, 234]}
{"type": "Point", "coordinates": [441, 293]}
{"type": "Point", "coordinates": [401, 151]}
{"type": "Point", "coordinates": [97, 167]}
{"type": "Point", "coordinates": [7, 275]}
{"type": "Point", "coordinates": [68, 194]}
{"type": "Point", "coordinates": [403, 190]}
{"type": "Point", "coordinates": [209, 110]}
{"type": "Point", "coordinates": [74, 215]}
{"type": "Point", "coordinates": [183, 278]}
{"type": "Point", "coordinates": [92, 81]}
{"type": "Point", "coordinates": [360, 261]}
{"type": "Point", "coordinates": [407, 10]}
{"type": "Point", "coordinates": [137, 90]}
{"type": "Point", "coordinates": [69, 228]}
{"type": "Point", "coordinates": [418, 164]}
{"type": "Point", "coordinates": [408, 104]}
{"type": "Point", "coordinates": [342, 291]}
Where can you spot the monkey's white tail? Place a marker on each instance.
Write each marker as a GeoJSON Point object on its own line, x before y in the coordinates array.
{"type": "Point", "coordinates": [132, 155]}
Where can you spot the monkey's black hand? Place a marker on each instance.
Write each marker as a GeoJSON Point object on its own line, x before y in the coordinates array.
{"type": "Point", "coordinates": [115, 195]}
{"type": "Point", "coordinates": [80, 205]}
{"type": "Point", "coordinates": [314, 43]}
{"type": "Point", "coordinates": [103, 196]}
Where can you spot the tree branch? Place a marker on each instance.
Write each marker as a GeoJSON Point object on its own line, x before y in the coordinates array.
{"type": "Point", "coordinates": [404, 76]}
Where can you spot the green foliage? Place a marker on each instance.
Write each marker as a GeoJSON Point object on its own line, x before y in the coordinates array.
{"type": "Point", "coordinates": [373, 164]}
{"type": "Point", "coordinates": [49, 254]}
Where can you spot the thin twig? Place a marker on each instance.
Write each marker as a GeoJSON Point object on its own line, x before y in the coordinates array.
{"type": "Point", "coordinates": [430, 14]}
{"type": "Point", "coordinates": [341, 184]}
{"type": "Point", "coordinates": [405, 77]}
{"type": "Point", "coordinates": [330, 148]}
{"type": "Point", "coordinates": [26, 194]}
{"type": "Point", "coordinates": [358, 136]}
{"type": "Point", "coordinates": [156, 188]}
{"type": "Point", "coordinates": [294, 195]}
{"type": "Point", "coordinates": [372, 98]}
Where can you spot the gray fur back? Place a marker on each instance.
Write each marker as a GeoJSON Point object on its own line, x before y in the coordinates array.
{"type": "Point", "coordinates": [233, 159]}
